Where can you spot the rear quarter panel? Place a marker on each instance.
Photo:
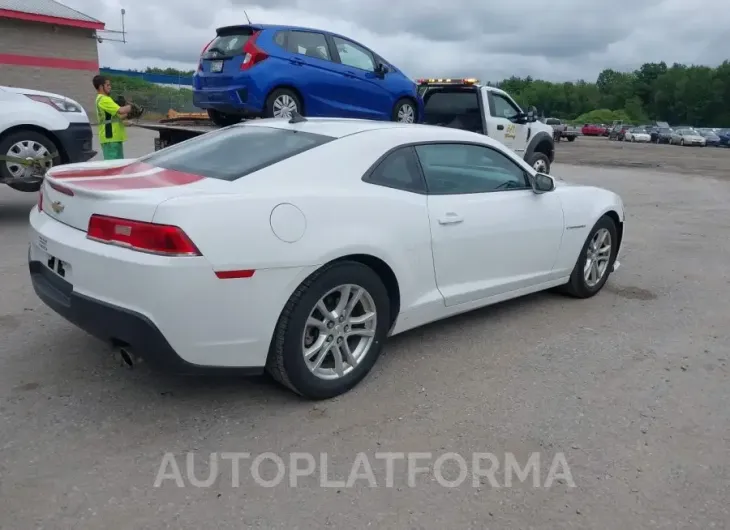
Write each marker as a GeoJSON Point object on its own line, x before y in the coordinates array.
{"type": "Point", "coordinates": [343, 216]}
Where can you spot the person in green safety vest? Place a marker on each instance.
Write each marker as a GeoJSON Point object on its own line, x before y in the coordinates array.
{"type": "Point", "coordinates": [112, 133]}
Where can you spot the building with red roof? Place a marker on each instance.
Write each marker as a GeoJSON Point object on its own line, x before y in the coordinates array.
{"type": "Point", "coordinates": [45, 45]}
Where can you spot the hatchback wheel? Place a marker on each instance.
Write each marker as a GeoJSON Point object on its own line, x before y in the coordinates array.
{"type": "Point", "coordinates": [283, 103]}
{"type": "Point", "coordinates": [331, 331]}
{"type": "Point", "coordinates": [404, 111]}
{"type": "Point", "coordinates": [596, 260]}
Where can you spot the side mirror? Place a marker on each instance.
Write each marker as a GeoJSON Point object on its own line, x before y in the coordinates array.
{"type": "Point", "coordinates": [531, 116]}
{"type": "Point", "coordinates": [543, 183]}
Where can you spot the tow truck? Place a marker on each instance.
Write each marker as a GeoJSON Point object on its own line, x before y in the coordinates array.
{"type": "Point", "coordinates": [467, 104]}
{"type": "Point", "coordinates": [459, 103]}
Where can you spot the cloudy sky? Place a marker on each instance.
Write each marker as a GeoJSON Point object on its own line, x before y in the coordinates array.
{"type": "Point", "coordinates": [548, 39]}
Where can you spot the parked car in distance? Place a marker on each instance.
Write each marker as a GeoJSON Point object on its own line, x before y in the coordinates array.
{"type": "Point", "coordinates": [661, 135]}
{"type": "Point", "coordinates": [593, 130]}
{"type": "Point", "coordinates": [618, 132]}
{"type": "Point", "coordinates": [561, 130]}
{"type": "Point", "coordinates": [687, 137]}
{"type": "Point", "coordinates": [259, 70]}
{"type": "Point", "coordinates": [724, 135]}
{"type": "Point", "coordinates": [637, 134]}
{"type": "Point", "coordinates": [711, 139]}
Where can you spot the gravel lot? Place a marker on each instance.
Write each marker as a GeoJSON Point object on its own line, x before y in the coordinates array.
{"type": "Point", "coordinates": [631, 386]}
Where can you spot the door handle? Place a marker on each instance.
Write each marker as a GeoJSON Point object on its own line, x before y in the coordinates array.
{"type": "Point", "coordinates": [500, 127]}
{"type": "Point", "coordinates": [451, 219]}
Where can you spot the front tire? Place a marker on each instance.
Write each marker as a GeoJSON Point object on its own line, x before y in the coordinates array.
{"type": "Point", "coordinates": [404, 111]}
{"type": "Point", "coordinates": [331, 331]}
{"type": "Point", "coordinates": [595, 261]}
{"type": "Point", "coordinates": [25, 144]}
{"type": "Point", "coordinates": [223, 120]}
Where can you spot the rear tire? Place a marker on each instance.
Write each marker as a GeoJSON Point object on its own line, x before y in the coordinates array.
{"type": "Point", "coordinates": [221, 119]}
{"type": "Point", "coordinates": [405, 111]}
{"type": "Point", "coordinates": [572, 138]}
{"type": "Point", "coordinates": [282, 102]}
{"type": "Point", "coordinates": [286, 362]}
{"type": "Point", "coordinates": [15, 144]}
{"type": "Point", "coordinates": [578, 286]}
{"type": "Point", "coordinates": [539, 162]}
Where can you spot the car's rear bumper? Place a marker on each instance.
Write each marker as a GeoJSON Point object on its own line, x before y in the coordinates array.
{"type": "Point", "coordinates": [231, 100]}
{"type": "Point", "coordinates": [174, 313]}
{"type": "Point", "coordinates": [116, 325]}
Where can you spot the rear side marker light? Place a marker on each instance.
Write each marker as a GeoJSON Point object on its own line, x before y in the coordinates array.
{"type": "Point", "coordinates": [231, 275]}
{"type": "Point", "coordinates": [164, 240]}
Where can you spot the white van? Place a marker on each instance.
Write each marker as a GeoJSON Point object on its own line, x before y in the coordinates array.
{"type": "Point", "coordinates": [36, 125]}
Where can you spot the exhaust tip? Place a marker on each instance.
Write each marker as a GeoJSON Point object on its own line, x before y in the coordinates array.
{"type": "Point", "coordinates": [125, 356]}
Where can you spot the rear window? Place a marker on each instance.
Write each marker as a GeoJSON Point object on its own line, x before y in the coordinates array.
{"type": "Point", "coordinates": [231, 153]}
{"type": "Point", "coordinates": [228, 44]}
{"type": "Point", "coordinates": [453, 108]}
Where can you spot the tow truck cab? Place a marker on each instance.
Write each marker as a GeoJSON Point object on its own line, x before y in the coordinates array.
{"type": "Point", "coordinates": [466, 104]}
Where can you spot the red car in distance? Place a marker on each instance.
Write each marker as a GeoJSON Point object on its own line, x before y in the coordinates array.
{"type": "Point", "coordinates": [593, 130]}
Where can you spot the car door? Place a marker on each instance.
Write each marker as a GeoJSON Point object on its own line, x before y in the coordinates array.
{"type": "Point", "coordinates": [491, 234]}
{"type": "Point", "coordinates": [501, 126]}
{"type": "Point", "coordinates": [313, 71]}
{"type": "Point", "coordinates": [366, 93]}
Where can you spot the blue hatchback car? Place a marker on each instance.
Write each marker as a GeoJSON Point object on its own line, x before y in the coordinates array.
{"type": "Point", "coordinates": [271, 71]}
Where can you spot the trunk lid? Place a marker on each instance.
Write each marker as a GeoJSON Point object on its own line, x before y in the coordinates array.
{"type": "Point", "coordinates": [128, 189]}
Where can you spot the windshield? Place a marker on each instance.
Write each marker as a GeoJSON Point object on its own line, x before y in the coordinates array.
{"type": "Point", "coordinates": [233, 152]}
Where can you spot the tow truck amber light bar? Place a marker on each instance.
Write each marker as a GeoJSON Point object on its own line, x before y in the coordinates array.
{"type": "Point", "coordinates": [466, 81]}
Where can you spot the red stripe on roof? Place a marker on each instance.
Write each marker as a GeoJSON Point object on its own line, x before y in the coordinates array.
{"type": "Point", "coordinates": [46, 19]}
{"type": "Point", "coordinates": [134, 167]}
{"type": "Point", "coordinates": [164, 179]}
{"type": "Point", "coordinates": [48, 62]}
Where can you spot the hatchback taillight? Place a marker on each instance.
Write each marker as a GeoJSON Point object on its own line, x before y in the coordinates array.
{"type": "Point", "coordinates": [252, 54]}
{"type": "Point", "coordinates": [144, 237]}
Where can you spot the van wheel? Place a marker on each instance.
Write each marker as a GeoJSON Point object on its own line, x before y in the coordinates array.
{"type": "Point", "coordinates": [25, 144]}
{"type": "Point", "coordinates": [221, 119]}
{"type": "Point", "coordinates": [404, 111]}
{"type": "Point", "coordinates": [540, 163]}
{"type": "Point", "coordinates": [282, 102]}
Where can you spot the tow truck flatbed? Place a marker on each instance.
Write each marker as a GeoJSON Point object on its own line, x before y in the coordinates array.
{"type": "Point", "coordinates": [171, 132]}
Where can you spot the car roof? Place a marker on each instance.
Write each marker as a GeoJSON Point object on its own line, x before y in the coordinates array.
{"type": "Point", "coordinates": [283, 27]}
{"type": "Point", "coordinates": [341, 127]}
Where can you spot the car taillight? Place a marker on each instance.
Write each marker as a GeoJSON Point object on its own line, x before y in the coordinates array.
{"type": "Point", "coordinates": [200, 62]}
{"type": "Point", "coordinates": [252, 54]}
{"type": "Point", "coordinates": [145, 237]}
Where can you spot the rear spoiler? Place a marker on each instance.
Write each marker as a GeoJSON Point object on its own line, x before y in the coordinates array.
{"type": "Point", "coordinates": [233, 30]}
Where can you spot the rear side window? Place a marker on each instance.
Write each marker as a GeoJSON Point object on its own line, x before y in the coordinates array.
{"type": "Point", "coordinates": [231, 153]}
{"type": "Point", "coordinates": [309, 44]}
{"type": "Point", "coordinates": [228, 45]}
{"type": "Point", "coordinates": [398, 170]}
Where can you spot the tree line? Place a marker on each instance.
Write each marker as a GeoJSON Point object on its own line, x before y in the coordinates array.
{"type": "Point", "coordinates": [678, 94]}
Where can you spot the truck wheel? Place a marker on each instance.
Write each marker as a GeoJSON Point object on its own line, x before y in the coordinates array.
{"type": "Point", "coordinates": [221, 119]}
{"type": "Point", "coordinates": [571, 138]}
{"type": "Point", "coordinates": [404, 111]}
{"type": "Point", "coordinates": [25, 144]}
{"type": "Point", "coordinates": [282, 102]}
{"type": "Point", "coordinates": [539, 162]}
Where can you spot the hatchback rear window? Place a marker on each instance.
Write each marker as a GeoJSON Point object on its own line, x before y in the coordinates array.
{"type": "Point", "coordinates": [228, 44]}
{"type": "Point", "coordinates": [231, 153]}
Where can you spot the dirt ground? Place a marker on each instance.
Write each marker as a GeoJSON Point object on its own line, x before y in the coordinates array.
{"type": "Point", "coordinates": [602, 152]}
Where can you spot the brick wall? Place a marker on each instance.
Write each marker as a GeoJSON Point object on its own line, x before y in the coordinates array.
{"type": "Point", "coordinates": [43, 40]}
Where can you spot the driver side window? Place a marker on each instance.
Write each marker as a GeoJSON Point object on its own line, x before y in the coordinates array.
{"type": "Point", "coordinates": [503, 107]}
{"type": "Point", "coordinates": [454, 169]}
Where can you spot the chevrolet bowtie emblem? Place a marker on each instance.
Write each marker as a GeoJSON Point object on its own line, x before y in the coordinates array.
{"type": "Point", "coordinates": [57, 207]}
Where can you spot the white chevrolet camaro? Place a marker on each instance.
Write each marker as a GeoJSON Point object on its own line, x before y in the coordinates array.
{"type": "Point", "coordinates": [297, 247]}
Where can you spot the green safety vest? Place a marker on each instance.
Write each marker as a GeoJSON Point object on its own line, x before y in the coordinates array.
{"type": "Point", "coordinates": [111, 128]}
